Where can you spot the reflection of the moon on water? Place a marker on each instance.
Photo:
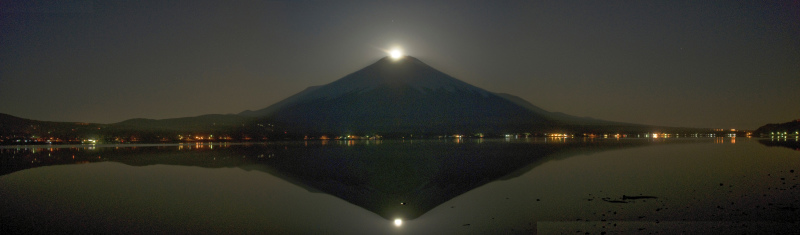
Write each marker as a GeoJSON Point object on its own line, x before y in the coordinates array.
{"type": "Point", "coordinates": [432, 186]}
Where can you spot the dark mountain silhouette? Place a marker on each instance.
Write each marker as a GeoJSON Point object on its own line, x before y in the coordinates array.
{"type": "Point", "coordinates": [390, 97]}
{"type": "Point", "coordinates": [406, 95]}
{"type": "Point", "coordinates": [16, 130]}
{"type": "Point", "coordinates": [205, 123]}
{"type": "Point", "coordinates": [210, 122]}
{"type": "Point", "coordinates": [790, 128]}
{"type": "Point", "coordinates": [11, 126]}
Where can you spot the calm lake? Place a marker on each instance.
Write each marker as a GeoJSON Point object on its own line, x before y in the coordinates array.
{"type": "Point", "coordinates": [445, 186]}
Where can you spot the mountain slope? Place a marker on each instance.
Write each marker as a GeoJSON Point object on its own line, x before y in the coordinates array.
{"type": "Point", "coordinates": [790, 128]}
{"type": "Point", "coordinates": [404, 95]}
{"type": "Point", "coordinates": [11, 126]}
{"type": "Point", "coordinates": [387, 72]}
{"type": "Point", "coordinates": [559, 116]}
{"type": "Point", "coordinates": [207, 122]}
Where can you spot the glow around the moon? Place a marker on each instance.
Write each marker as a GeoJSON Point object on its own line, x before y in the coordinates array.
{"type": "Point", "coordinates": [395, 53]}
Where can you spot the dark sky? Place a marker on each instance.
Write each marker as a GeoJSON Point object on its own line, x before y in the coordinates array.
{"type": "Point", "coordinates": [720, 64]}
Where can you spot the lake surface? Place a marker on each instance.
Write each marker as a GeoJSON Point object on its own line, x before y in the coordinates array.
{"type": "Point", "coordinates": [473, 186]}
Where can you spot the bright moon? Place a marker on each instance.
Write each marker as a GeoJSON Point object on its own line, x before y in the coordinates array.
{"type": "Point", "coordinates": [398, 222]}
{"type": "Point", "coordinates": [396, 54]}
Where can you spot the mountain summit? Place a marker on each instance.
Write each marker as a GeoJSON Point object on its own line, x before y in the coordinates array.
{"type": "Point", "coordinates": [401, 96]}
{"type": "Point", "coordinates": [406, 71]}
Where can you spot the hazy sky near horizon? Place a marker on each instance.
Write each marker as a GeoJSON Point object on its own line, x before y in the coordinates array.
{"type": "Point", "coordinates": [718, 64]}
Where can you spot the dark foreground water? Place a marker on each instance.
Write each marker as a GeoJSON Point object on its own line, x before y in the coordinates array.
{"type": "Point", "coordinates": [473, 186]}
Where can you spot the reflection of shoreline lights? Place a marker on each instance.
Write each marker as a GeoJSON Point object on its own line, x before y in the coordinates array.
{"type": "Point", "coordinates": [558, 135]}
{"type": "Point", "coordinates": [398, 222]}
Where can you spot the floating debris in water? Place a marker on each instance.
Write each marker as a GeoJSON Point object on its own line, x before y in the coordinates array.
{"type": "Point", "coordinates": [624, 197]}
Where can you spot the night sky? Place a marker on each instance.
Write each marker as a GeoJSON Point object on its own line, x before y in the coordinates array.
{"type": "Point", "coordinates": [717, 64]}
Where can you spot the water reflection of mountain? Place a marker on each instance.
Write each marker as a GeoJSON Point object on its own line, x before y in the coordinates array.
{"type": "Point", "coordinates": [391, 179]}
{"type": "Point", "coordinates": [781, 142]}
